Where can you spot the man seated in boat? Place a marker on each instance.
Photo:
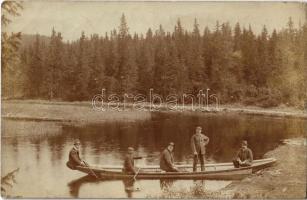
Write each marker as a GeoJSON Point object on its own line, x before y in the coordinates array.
{"type": "Point", "coordinates": [129, 162]}
{"type": "Point", "coordinates": [244, 157]}
{"type": "Point", "coordinates": [167, 159]}
{"type": "Point", "coordinates": [74, 158]}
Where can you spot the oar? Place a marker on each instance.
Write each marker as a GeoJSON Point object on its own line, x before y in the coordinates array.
{"type": "Point", "coordinates": [92, 172]}
{"type": "Point", "coordinates": [134, 178]}
{"type": "Point", "coordinates": [141, 157]}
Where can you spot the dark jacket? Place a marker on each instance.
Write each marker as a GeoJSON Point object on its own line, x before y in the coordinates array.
{"type": "Point", "coordinates": [167, 160]}
{"type": "Point", "coordinates": [129, 164]}
{"type": "Point", "coordinates": [198, 143]}
{"type": "Point", "coordinates": [74, 158]}
{"type": "Point", "coordinates": [245, 155]}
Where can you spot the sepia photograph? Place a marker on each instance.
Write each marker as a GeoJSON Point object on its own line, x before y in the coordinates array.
{"type": "Point", "coordinates": [153, 99]}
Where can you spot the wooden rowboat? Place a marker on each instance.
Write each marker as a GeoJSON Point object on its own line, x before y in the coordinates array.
{"type": "Point", "coordinates": [219, 171]}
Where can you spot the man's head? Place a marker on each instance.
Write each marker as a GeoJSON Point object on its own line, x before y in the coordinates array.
{"type": "Point", "coordinates": [170, 146]}
{"type": "Point", "coordinates": [244, 144]}
{"type": "Point", "coordinates": [130, 150]}
{"type": "Point", "coordinates": [77, 143]}
{"type": "Point", "coordinates": [198, 129]}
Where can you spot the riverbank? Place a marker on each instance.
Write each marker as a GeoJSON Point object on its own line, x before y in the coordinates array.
{"type": "Point", "coordinates": [42, 110]}
{"type": "Point", "coordinates": [80, 112]}
{"type": "Point", "coordinates": [286, 179]}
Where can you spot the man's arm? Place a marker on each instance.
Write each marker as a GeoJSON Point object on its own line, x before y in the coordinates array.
{"type": "Point", "coordinates": [250, 157]}
{"type": "Point", "coordinates": [238, 156]}
{"type": "Point", "coordinates": [193, 145]}
{"type": "Point", "coordinates": [206, 139]}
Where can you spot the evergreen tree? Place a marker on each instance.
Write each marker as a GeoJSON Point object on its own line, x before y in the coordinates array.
{"type": "Point", "coordinates": [262, 68]}
{"type": "Point", "coordinates": [146, 65]}
{"type": "Point", "coordinates": [70, 76]}
{"type": "Point", "coordinates": [127, 74]}
{"type": "Point", "coordinates": [207, 52]}
{"type": "Point", "coordinates": [160, 59]}
{"type": "Point", "coordinates": [95, 67]}
{"type": "Point", "coordinates": [249, 56]}
{"type": "Point", "coordinates": [237, 38]}
{"type": "Point", "coordinates": [35, 72]}
{"type": "Point", "coordinates": [82, 72]}
{"type": "Point", "coordinates": [111, 63]}
{"type": "Point", "coordinates": [197, 72]}
{"type": "Point", "coordinates": [10, 57]}
{"type": "Point", "coordinates": [53, 75]}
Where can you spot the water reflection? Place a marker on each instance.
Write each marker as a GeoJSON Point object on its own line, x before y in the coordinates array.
{"type": "Point", "coordinates": [132, 187]}
{"type": "Point", "coordinates": [40, 149]}
{"type": "Point", "coordinates": [166, 184]}
{"type": "Point", "coordinates": [74, 186]}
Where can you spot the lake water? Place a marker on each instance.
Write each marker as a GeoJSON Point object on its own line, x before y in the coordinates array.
{"type": "Point", "coordinates": [40, 150]}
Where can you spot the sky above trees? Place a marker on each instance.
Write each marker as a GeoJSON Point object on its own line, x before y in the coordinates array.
{"type": "Point", "coordinates": [71, 18]}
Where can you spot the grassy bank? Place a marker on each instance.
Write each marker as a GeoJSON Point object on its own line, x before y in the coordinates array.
{"type": "Point", "coordinates": [287, 179]}
{"type": "Point", "coordinates": [84, 112]}
{"type": "Point", "coordinates": [79, 112]}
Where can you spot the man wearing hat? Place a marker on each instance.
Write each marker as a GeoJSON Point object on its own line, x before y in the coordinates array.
{"type": "Point", "coordinates": [167, 159]}
{"type": "Point", "coordinates": [198, 145]}
{"type": "Point", "coordinates": [244, 157]}
{"type": "Point", "coordinates": [129, 162]}
{"type": "Point", "coordinates": [74, 158]}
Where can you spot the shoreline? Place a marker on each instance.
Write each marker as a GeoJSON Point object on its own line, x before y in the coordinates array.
{"type": "Point", "coordinates": [57, 111]}
{"type": "Point", "coordinates": [285, 179]}
{"type": "Point", "coordinates": [77, 113]}
{"type": "Point", "coordinates": [21, 110]}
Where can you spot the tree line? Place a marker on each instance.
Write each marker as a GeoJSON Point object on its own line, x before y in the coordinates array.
{"type": "Point", "coordinates": [265, 69]}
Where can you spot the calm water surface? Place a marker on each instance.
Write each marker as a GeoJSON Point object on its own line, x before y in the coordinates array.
{"type": "Point", "coordinates": [40, 150]}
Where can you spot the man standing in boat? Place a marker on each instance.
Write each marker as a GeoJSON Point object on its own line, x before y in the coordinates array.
{"type": "Point", "coordinates": [244, 157]}
{"type": "Point", "coordinates": [129, 162]}
{"type": "Point", "coordinates": [74, 158]}
{"type": "Point", "coordinates": [198, 145]}
{"type": "Point", "coordinates": [167, 159]}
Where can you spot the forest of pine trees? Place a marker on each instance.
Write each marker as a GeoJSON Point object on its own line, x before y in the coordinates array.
{"type": "Point", "coordinates": [266, 69]}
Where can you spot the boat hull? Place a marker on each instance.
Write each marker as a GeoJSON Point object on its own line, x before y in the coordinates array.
{"type": "Point", "coordinates": [221, 171]}
{"type": "Point", "coordinates": [221, 175]}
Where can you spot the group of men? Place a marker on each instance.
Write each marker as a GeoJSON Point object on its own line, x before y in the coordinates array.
{"type": "Point", "coordinates": [199, 141]}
